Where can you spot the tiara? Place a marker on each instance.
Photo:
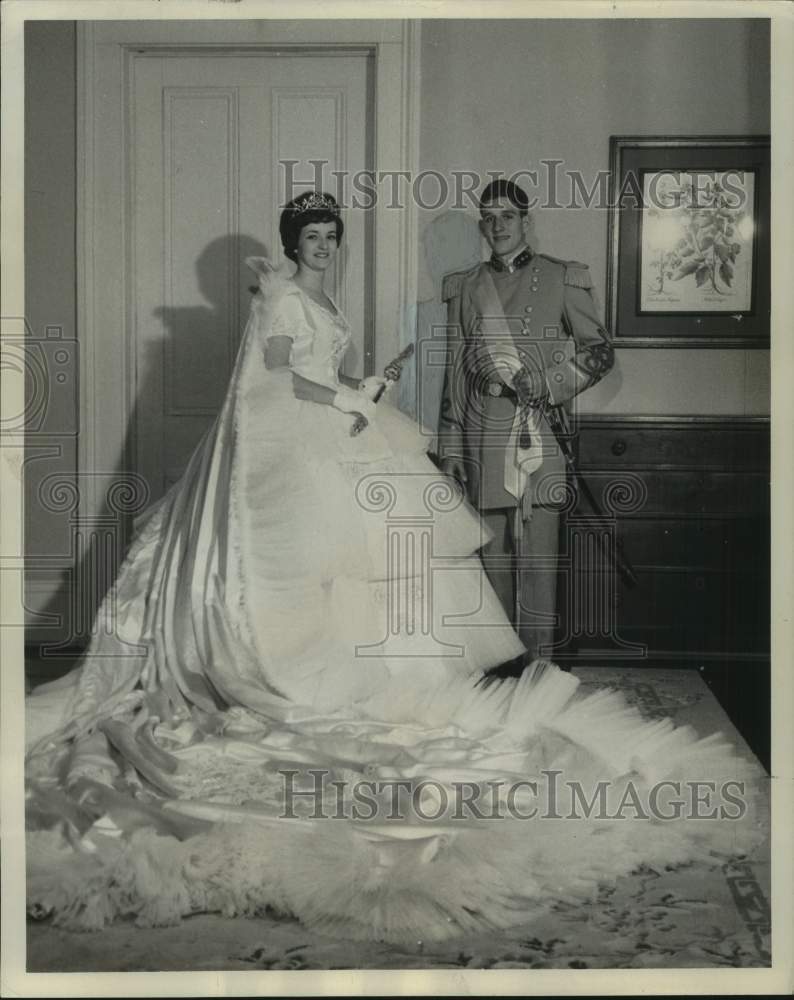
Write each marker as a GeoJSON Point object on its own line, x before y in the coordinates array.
{"type": "Point", "coordinates": [313, 201]}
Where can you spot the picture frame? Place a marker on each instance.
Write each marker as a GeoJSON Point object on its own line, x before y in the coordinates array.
{"type": "Point", "coordinates": [689, 241]}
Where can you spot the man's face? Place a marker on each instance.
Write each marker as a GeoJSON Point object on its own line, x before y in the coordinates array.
{"type": "Point", "coordinates": [503, 226]}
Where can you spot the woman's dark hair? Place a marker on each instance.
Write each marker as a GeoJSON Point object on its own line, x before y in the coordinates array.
{"type": "Point", "coordinates": [309, 207]}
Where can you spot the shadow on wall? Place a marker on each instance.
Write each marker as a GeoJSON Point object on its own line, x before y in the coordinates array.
{"type": "Point", "coordinates": [450, 242]}
{"type": "Point", "coordinates": [195, 337]}
{"type": "Point", "coordinates": [99, 542]}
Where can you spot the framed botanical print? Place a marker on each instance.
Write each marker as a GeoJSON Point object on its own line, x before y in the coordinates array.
{"type": "Point", "coordinates": [689, 241]}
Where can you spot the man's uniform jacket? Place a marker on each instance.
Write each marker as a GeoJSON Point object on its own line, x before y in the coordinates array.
{"type": "Point", "coordinates": [548, 309]}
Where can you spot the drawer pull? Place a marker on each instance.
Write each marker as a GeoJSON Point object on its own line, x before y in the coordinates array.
{"type": "Point", "coordinates": [618, 447]}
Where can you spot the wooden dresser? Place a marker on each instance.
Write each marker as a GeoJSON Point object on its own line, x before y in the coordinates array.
{"type": "Point", "coordinates": [688, 500]}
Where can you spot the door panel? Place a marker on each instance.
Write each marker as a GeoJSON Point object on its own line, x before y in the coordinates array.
{"type": "Point", "coordinates": [211, 136]}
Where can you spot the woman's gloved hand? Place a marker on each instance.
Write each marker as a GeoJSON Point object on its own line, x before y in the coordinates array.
{"type": "Point", "coordinates": [356, 403]}
{"type": "Point", "coordinates": [372, 385]}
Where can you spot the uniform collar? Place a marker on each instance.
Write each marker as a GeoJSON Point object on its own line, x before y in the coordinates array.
{"type": "Point", "coordinates": [519, 259]}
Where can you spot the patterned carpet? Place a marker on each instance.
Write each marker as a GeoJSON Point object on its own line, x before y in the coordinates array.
{"type": "Point", "coordinates": [692, 916]}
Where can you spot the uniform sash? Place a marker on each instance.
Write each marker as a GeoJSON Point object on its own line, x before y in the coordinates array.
{"type": "Point", "coordinates": [520, 462]}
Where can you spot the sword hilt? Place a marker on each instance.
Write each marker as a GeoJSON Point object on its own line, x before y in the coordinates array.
{"type": "Point", "coordinates": [404, 354]}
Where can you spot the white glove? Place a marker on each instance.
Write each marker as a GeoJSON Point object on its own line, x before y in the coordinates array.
{"type": "Point", "coordinates": [372, 385]}
{"type": "Point", "coordinates": [351, 401]}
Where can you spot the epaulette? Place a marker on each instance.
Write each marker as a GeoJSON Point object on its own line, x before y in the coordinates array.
{"type": "Point", "coordinates": [576, 273]}
{"type": "Point", "coordinates": [452, 283]}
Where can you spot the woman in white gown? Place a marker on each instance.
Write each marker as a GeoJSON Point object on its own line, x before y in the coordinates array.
{"type": "Point", "coordinates": [308, 598]}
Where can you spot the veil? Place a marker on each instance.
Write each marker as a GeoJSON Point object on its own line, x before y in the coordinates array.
{"type": "Point", "coordinates": [179, 602]}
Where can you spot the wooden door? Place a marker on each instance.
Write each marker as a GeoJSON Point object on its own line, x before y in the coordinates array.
{"type": "Point", "coordinates": [220, 141]}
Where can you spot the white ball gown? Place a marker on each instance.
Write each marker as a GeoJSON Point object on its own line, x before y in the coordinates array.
{"type": "Point", "coordinates": [287, 714]}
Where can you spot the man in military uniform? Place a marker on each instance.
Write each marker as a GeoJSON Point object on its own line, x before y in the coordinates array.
{"type": "Point", "coordinates": [526, 340]}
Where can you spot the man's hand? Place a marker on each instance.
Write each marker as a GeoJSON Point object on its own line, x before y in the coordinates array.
{"type": "Point", "coordinates": [393, 371]}
{"type": "Point", "coordinates": [456, 469]}
{"type": "Point", "coordinates": [530, 386]}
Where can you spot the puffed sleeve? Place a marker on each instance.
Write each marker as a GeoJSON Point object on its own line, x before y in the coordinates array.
{"type": "Point", "coordinates": [594, 355]}
{"type": "Point", "coordinates": [287, 317]}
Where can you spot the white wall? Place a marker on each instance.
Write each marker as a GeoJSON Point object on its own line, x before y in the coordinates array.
{"type": "Point", "coordinates": [502, 95]}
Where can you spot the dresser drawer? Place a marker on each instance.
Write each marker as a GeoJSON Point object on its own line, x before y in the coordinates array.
{"type": "Point", "coordinates": [726, 545]}
{"type": "Point", "coordinates": [736, 545]}
{"type": "Point", "coordinates": [688, 503]}
{"type": "Point", "coordinates": [670, 611]}
{"type": "Point", "coordinates": [693, 611]}
{"type": "Point", "coordinates": [629, 444]}
{"type": "Point", "coordinates": [658, 491]}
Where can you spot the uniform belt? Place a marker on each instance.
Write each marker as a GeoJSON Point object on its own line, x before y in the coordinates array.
{"type": "Point", "coordinates": [498, 388]}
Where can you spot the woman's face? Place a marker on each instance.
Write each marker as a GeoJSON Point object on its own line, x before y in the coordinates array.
{"type": "Point", "coordinates": [317, 245]}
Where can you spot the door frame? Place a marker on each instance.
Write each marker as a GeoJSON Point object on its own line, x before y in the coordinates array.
{"type": "Point", "coordinates": [106, 54]}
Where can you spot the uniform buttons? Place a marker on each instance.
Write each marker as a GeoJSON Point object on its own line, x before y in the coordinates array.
{"type": "Point", "coordinates": [558, 377]}
{"type": "Point", "coordinates": [527, 309]}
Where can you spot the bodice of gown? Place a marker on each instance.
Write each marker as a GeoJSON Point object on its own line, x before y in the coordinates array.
{"type": "Point", "coordinates": [319, 336]}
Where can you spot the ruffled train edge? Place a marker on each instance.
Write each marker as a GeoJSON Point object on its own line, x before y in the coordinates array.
{"type": "Point", "coordinates": [349, 880]}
